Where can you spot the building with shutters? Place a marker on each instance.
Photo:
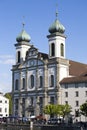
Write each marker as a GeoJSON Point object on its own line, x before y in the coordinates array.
{"type": "Point", "coordinates": [4, 106]}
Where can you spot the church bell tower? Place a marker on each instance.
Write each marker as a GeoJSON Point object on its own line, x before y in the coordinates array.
{"type": "Point", "coordinates": [22, 46]}
{"type": "Point", "coordinates": [56, 39]}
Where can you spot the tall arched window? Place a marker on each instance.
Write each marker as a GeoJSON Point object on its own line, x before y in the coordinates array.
{"type": "Point", "coordinates": [41, 104]}
{"type": "Point", "coordinates": [41, 82]}
{"type": "Point", "coordinates": [26, 53]}
{"type": "Point", "coordinates": [51, 80]}
{"type": "Point", "coordinates": [52, 49]}
{"type": "Point", "coordinates": [23, 107]}
{"type": "Point", "coordinates": [16, 84]}
{"type": "Point", "coordinates": [31, 101]}
{"type": "Point", "coordinates": [23, 83]}
{"type": "Point", "coordinates": [62, 49]}
{"type": "Point", "coordinates": [16, 106]}
{"type": "Point", "coordinates": [52, 100]}
{"type": "Point", "coordinates": [18, 57]}
{"type": "Point", "coordinates": [32, 81]}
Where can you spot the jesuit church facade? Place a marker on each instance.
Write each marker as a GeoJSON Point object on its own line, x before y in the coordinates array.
{"type": "Point", "coordinates": [39, 79]}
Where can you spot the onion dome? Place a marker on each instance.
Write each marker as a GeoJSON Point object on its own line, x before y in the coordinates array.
{"type": "Point", "coordinates": [23, 36]}
{"type": "Point", "coordinates": [57, 26]}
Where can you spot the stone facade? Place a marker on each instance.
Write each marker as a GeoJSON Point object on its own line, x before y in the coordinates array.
{"type": "Point", "coordinates": [39, 79]}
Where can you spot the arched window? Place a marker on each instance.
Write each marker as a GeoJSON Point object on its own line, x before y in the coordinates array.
{"type": "Point", "coordinates": [23, 83]}
{"type": "Point", "coordinates": [32, 81]}
{"type": "Point", "coordinates": [41, 82]}
{"type": "Point", "coordinates": [52, 100]}
{"type": "Point", "coordinates": [16, 84]}
{"type": "Point", "coordinates": [26, 53]}
{"type": "Point", "coordinates": [62, 49]}
{"type": "Point", "coordinates": [16, 106]}
{"type": "Point", "coordinates": [41, 104]}
{"type": "Point", "coordinates": [18, 57]}
{"type": "Point", "coordinates": [52, 49]}
{"type": "Point", "coordinates": [31, 101]}
{"type": "Point", "coordinates": [23, 107]}
{"type": "Point", "coordinates": [51, 81]}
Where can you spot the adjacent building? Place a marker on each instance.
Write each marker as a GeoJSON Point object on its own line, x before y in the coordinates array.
{"type": "Point", "coordinates": [39, 79]}
{"type": "Point", "coordinates": [4, 106]}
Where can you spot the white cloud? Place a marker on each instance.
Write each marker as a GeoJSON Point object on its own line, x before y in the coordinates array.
{"type": "Point", "coordinates": [7, 59]}
{"type": "Point", "coordinates": [5, 87]}
{"type": "Point", "coordinates": [0, 61]}
{"type": "Point", "coordinates": [4, 75]}
{"type": "Point", "coordinates": [6, 56]}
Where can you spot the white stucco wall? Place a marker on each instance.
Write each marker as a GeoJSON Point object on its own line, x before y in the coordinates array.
{"type": "Point", "coordinates": [23, 49]}
{"type": "Point", "coordinates": [4, 106]}
{"type": "Point", "coordinates": [82, 97]}
{"type": "Point", "coordinates": [57, 40]}
{"type": "Point", "coordinates": [63, 72]}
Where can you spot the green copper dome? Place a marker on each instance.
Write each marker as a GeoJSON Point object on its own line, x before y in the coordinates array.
{"type": "Point", "coordinates": [23, 36]}
{"type": "Point", "coordinates": [56, 27]}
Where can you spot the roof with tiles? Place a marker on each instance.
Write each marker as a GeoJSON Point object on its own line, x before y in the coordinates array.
{"type": "Point", "coordinates": [78, 79]}
{"type": "Point", "coordinates": [78, 71]}
{"type": "Point", "coordinates": [77, 68]}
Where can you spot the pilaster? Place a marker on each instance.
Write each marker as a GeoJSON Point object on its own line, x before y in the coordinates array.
{"type": "Point", "coordinates": [20, 107]}
{"type": "Point", "coordinates": [45, 102]}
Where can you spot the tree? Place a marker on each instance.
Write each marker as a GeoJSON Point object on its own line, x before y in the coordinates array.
{"type": "Point", "coordinates": [83, 109]}
{"type": "Point", "coordinates": [8, 95]}
{"type": "Point", "coordinates": [65, 110]}
{"type": "Point", "coordinates": [58, 110]}
{"type": "Point", "coordinates": [49, 109]}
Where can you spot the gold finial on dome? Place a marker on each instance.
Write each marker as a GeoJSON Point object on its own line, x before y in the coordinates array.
{"type": "Point", "coordinates": [56, 26]}
{"type": "Point", "coordinates": [56, 11]}
{"type": "Point", "coordinates": [23, 23]}
{"type": "Point", "coordinates": [23, 35]}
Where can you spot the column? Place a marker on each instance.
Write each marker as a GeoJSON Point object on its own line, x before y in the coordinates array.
{"type": "Point", "coordinates": [20, 83]}
{"type": "Point", "coordinates": [20, 107]}
{"type": "Point", "coordinates": [57, 84]}
{"type": "Point", "coordinates": [26, 80]}
{"type": "Point", "coordinates": [26, 107]}
{"type": "Point", "coordinates": [45, 86]}
{"type": "Point", "coordinates": [37, 108]}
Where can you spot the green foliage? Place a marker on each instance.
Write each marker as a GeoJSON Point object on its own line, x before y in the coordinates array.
{"type": "Point", "coordinates": [49, 109]}
{"type": "Point", "coordinates": [83, 109]}
{"type": "Point", "coordinates": [8, 95]}
{"type": "Point", "coordinates": [60, 110]}
{"type": "Point", "coordinates": [65, 110]}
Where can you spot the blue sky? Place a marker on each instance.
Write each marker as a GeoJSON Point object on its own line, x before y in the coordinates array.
{"type": "Point", "coordinates": [38, 16]}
